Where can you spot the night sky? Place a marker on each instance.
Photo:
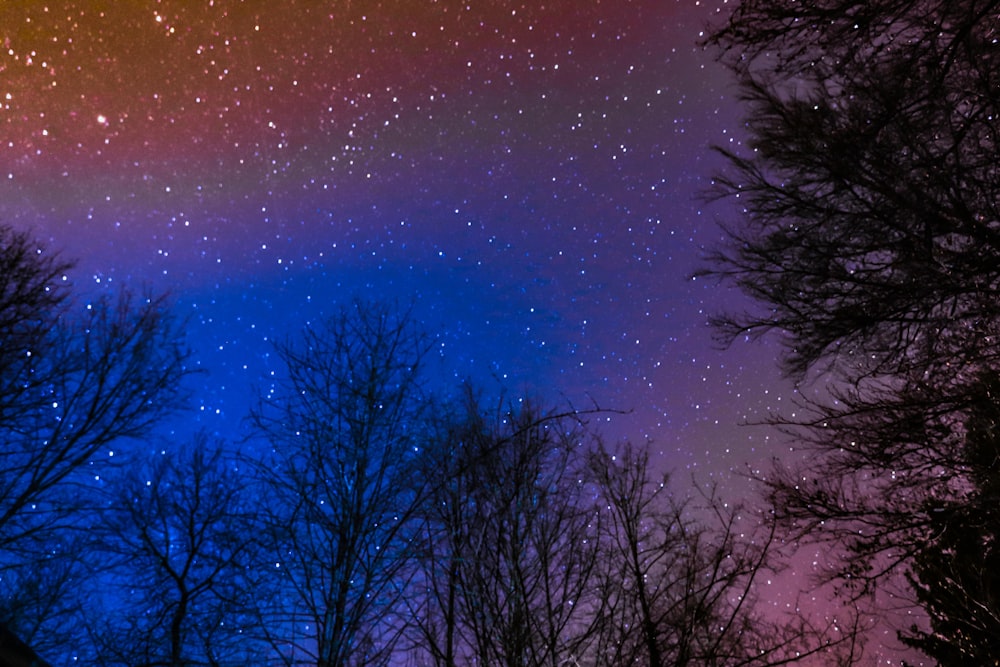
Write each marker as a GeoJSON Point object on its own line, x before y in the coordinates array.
{"type": "Point", "coordinates": [526, 175]}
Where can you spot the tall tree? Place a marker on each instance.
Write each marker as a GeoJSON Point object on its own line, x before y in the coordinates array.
{"type": "Point", "coordinates": [521, 539]}
{"type": "Point", "coordinates": [177, 552]}
{"type": "Point", "coordinates": [346, 424]}
{"type": "Point", "coordinates": [75, 379]}
{"type": "Point", "coordinates": [436, 631]}
{"type": "Point", "coordinates": [870, 238]}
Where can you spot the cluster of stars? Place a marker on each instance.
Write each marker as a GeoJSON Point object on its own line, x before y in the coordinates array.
{"type": "Point", "coordinates": [527, 176]}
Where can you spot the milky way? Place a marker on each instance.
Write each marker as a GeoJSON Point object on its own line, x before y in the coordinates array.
{"type": "Point", "coordinates": [527, 176]}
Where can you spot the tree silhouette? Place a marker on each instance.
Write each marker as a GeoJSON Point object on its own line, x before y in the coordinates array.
{"type": "Point", "coordinates": [75, 379]}
{"type": "Point", "coordinates": [437, 631]}
{"type": "Point", "coordinates": [346, 425]}
{"type": "Point", "coordinates": [870, 239]}
{"type": "Point", "coordinates": [679, 579]}
{"type": "Point", "coordinates": [957, 575]}
{"type": "Point", "coordinates": [15, 653]}
{"type": "Point", "coordinates": [541, 546]}
{"type": "Point", "coordinates": [177, 549]}
{"type": "Point", "coordinates": [528, 542]}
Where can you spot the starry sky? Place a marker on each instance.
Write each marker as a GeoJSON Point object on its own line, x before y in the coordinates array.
{"type": "Point", "coordinates": [526, 175]}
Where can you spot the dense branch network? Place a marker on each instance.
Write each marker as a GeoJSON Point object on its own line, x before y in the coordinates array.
{"type": "Point", "coordinates": [869, 239]}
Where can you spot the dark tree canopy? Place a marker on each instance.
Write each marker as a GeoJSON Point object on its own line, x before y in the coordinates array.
{"type": "Point", "coordinates": [956, 577]}
{"type": "Point", "coordinates": [870, 241]}
{"type": "Point", "coordinates": [871, 188]}
{"type": "Point", "coordinates": [540, 546]}
{"type": "Point", "coordinates": [526, 552]}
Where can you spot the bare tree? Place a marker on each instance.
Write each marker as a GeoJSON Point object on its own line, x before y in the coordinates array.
{"type": "Point", "coordinates": [177, 550]}
{"type": "Point", "coordinates": [517, 541]}
{"type": "Point", "coordinates": [870, 239]}
{"type": "Point", "coordinates": [432, 604]}
{"type": "Point", "coordinates": [539, 546]}
{"type": "Point", "coordinates": [346, 423]}
{"type": "Point", "coordinates": [679, 579]}
{"type": "Point", "coordinates": [75, 379]}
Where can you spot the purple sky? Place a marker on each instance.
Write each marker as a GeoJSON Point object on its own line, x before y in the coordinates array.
{"type": "Point", "coordinates": [526, 174]}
